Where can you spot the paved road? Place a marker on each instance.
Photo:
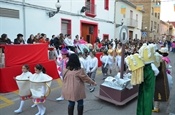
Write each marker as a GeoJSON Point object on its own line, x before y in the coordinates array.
{"type": "Point", "coordinates": [93, 106]}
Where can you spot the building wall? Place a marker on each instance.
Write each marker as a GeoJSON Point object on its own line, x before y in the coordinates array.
{"type": "Point", "coordinates": [37, 20]}
{"type": "Point", "coordinates": [148, 17]}
{"type": "Point", "coordinates": [163, 28]}
{"type": "Point", "coordinates": [126, 18]}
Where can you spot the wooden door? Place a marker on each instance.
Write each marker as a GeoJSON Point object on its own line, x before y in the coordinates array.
{"type": "Point", "coordinates": [86, 34]}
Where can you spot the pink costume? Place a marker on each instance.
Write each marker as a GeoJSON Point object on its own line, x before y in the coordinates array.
{"type": "Point", "coordinates": [167, 60]}
{"type": "Point", "coordinates": [61, 65]}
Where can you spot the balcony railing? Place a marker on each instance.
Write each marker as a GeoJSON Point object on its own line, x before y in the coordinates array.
{"type": "Point", "coordinates": [132, 23]}
{"type": "Point", "coordinates": [90, 9]}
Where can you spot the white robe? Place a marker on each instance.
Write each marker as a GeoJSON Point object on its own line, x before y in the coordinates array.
{"type": "Point", "coordinates": [24, 83]}
{"type": "Point", "coordinates": [40, 84]}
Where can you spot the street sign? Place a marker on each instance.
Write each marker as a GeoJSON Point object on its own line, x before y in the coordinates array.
{"type": "Point", "coordinates": [144, 34]}
{"type": "Point", "coordinates": [124, 38]}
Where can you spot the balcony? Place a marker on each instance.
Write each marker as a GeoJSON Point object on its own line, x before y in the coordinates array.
{"type": "Point", "coordinates": [132, 23]}
{"type": "Point", "coordinates": [90, 9]}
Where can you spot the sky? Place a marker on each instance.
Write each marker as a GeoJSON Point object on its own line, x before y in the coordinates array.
{"type": "Point", "coordinates": [167, 10]}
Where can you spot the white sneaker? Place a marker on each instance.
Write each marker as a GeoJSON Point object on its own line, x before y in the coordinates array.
{"type": "Point", "coordinates": [34, 105]}
{"type": "Point", "coordinates": [37, 113]}
{"type": "Point", "coordinates": [18, 111]}
{"type": "Point", "coordinates": [60, 98]}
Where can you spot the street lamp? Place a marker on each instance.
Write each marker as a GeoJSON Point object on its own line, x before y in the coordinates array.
{"type": "Point", "coordinates": [52, 13]}
{"type": "Point", "coordinates": [118, 25]}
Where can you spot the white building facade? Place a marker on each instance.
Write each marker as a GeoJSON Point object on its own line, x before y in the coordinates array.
{"type": "Point", "coordinates": [31, 17]}
{"type": "Point", "coordinates": [132, 19]}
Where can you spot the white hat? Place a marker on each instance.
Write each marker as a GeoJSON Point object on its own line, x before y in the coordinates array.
{"type": "Point", "coordinates": [164, 50]}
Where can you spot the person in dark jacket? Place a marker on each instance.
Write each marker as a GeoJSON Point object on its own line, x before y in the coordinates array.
{"type": "Point", "coordinates": [4, 39]}
{"type": "Point", "coordinates": [31, 39]}
{"type": "Point", "coordinates": [19, 39]}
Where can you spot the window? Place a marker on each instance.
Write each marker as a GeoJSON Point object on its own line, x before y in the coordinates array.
{"type": "Point", "coordinates": [135, 36]}
{"type": "Point", "coordinates": [65, 26]}
{"type": "Point", "coordinates": [155, 25]}
{"type": "Point", "coordinates": [152, 11]}
{"type": "Point", "coordinates": [137, 17]}
{"type": "Point", "coordinates": [151, 25]}
{"type": "Point", "coordinates": [11, 13]}
{"type": "Point", "coordinates": [157, 28]}
{"type": "Point", "coordinates": [91, 8]}
{"type": "Point", "coordinates": [106, 4]}
{"type": "Point", "coordinates": [105, 36]}
{"type": "Point", "coordinates": [156, 14]}
{"type": "Point", "coordinates": [124, 15]}
{"type": "Point", "coordinates": [131, 14]}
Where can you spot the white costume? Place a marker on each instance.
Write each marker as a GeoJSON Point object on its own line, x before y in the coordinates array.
{"type": "Point", "coordinates": [40, 84]}
{"type": "Point", "coordinates": [24, 88]}
{"type": "Point", "coordinates": [119, 57]}
{"type": "Point", "coordinates": [23, 83]}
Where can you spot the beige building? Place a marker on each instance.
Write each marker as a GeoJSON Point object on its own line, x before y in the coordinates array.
{"type": "Point", "coordinates": [151, 20]}
{"type": "Point", "coordinates": [172, 29]}
{"type": "Point", "coordinates": [163, 29]}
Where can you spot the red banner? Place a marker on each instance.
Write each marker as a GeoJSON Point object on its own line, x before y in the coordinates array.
{"type": "Point", "coordinates": [25, 54]}
{"type": "Point", "coordinates": [7, 82]}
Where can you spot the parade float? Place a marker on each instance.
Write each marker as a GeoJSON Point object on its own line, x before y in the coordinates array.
{"type": "Point", "coordinates": [118, 89]}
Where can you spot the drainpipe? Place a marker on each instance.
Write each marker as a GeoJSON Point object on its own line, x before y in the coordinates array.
{"type": "Point", "coordinates": [24, 20]}
{"type": "Point", "coordinates": [115, 29]}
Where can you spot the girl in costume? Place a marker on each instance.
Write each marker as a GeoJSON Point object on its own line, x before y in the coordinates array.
{"type": "Point", "coordinates": [118, 55]}
{"type": "Point", "coordinates": [39, 87]}
{"type": "Point", "coordinates": [61, 62]}
{"type": "Point", "coordinates": [110, 58]}
{"type": "Point", "coordinates": [24, 86]}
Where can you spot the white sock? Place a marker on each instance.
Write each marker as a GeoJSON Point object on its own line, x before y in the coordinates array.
{"type": "Point", "coordinates": [19, 110]}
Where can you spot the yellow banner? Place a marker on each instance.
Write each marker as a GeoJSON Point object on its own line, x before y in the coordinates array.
{"type": "Point", "coordinates": [174, 7]}
{"type": "Point", "coordinates": [123, 11]}
{"type": "Point", "coordinates": [139, 7]}
{"type": "Point", "coordinates": [157, 9]}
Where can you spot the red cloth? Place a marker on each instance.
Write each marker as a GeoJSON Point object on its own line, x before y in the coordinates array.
{"type": "Point", "coordinates": [24, 54]}
{"type": "Point", "coordinates": [8, 84]}
{"type": "Point", "coordinates": [98, 54]}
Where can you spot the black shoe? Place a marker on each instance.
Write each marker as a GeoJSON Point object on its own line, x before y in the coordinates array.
{"type": "Point", "coordinates": [92, 89]}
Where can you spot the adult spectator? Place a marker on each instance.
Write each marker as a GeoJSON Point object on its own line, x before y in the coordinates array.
{"type": "Point", "coordinates": [30, 39]}
{"type": "Point", "coordinates": [69, 43]}
{"type": "Point", "coordinates": [4, 39]}
{"type": "Point", "coordinates": [19, 39]}
{"type": "Point", "coordinates": [58, 41]}
{"type": "Point", "coordinates": [52, 40]}
{"type": "Point", "coordinates": [42, 39]}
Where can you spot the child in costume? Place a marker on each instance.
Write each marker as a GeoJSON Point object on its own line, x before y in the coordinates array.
{"type": "Point", "coordinates": [146, 88]}
{"type": "Point", "coordinates": [61, 62]}
{"type": "Point", "coordinates": [104, 59]}
{"type": "Point", "coordinates": [92, 68]}
{"type": "Point", "coordinates": [164, 81]}
{"type": "Point", "coordinates": [110, 58]}
{"type": "Point", "coordinates": [40, 88]}
{"type": "Point", "coordinates": [24, 86]}
{"type": "Point", "coordinates": [118, 55]}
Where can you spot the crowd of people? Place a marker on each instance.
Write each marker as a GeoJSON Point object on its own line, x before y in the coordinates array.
{"type": "Point", "coordinates": [78, 62]}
